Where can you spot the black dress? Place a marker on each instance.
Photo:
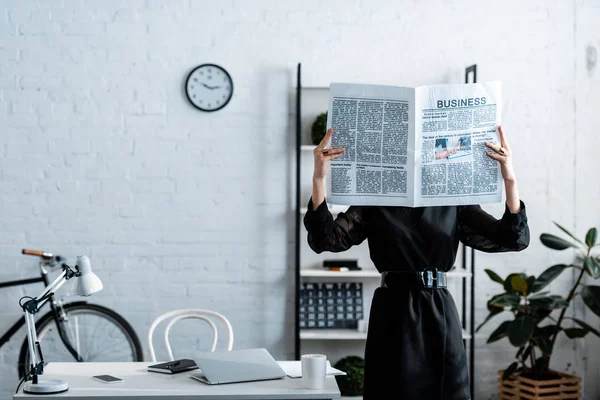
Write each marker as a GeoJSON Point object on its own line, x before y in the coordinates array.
{"type": "Point", "coordinates": [414, 347]}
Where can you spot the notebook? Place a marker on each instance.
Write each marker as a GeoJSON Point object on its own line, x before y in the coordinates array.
{"type": "Point", "coordinates": [173, 367]}
{"type": "Point", "coordinates": [246, 365]}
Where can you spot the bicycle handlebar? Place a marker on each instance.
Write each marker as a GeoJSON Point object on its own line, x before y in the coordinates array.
{"type": "Point", "coordinates": [38, 253]}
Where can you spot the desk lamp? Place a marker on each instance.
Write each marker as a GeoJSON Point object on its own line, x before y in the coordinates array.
{"type": "Point", "coordinates": [87, 284]}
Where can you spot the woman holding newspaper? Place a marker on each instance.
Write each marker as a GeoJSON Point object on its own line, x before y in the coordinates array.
{"type": "Point", "coordinates": [414, 325]}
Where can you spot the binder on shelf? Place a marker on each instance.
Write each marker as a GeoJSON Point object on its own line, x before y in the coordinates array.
{"type": "Point", "coordinates": [330, 305]}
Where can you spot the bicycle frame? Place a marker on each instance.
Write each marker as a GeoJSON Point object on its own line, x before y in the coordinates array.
{"type": "Point", "coordinates": [55, 309]}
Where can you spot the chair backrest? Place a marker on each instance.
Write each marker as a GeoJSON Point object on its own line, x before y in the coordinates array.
{"type": "Point", "coordinates": [174, 316]}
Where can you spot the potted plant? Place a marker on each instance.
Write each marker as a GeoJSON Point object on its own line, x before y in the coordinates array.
{"type": "Point", "coordinates": [534, 327]}
{"type": "Point", "coordinates": [351, 384]}
{"type": "Point", "coordinates": [318, 128]}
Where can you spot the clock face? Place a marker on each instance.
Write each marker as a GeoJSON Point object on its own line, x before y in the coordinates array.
{"type": "Point", "coordinates": [209, 87]}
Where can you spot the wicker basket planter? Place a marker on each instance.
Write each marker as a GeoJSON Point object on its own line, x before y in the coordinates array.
{"type": "Point", "coordinates": [517, 387]}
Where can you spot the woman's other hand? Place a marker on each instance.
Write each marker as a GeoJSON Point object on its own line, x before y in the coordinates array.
{"type": "Point", "coordinates": [323, 155]}
{"type": "Point", "coordinates": [503, 154]}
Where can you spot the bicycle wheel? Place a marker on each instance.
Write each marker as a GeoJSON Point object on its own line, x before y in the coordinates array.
{"type": "Point", "coordinates": [97, 334]}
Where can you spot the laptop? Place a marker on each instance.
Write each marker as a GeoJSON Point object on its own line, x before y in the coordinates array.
{"type": "Point", "coordinates": [246, 365]}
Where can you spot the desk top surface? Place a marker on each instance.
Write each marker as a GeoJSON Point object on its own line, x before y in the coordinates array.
{"type": "Point", "coordinates": [138, 382]}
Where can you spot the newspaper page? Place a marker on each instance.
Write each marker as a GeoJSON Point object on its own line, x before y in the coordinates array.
{"type": "Point", "coordinates": [414, 146]}
{"type": "Point", "coordinates": [453, 122]}
{"type": "Point", "coordinates": [375, 124]}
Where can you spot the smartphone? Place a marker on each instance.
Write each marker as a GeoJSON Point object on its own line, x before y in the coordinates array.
{"type": "Point", "coordinates": [107, 378]}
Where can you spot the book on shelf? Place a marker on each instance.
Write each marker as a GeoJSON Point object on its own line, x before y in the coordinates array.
{"type": "Point", "coordinates": [331, 305]}
{"type": "Point", "coordinates": [341, 265]}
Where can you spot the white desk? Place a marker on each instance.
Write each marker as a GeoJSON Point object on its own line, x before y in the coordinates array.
{"type": "Point", "coordinates": [138, 383]}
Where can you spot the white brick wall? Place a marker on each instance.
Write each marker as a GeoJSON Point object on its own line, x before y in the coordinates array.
{"type": "Point", "coordinates": [100, 153]}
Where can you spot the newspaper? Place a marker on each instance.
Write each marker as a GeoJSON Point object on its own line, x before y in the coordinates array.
{"type": "Point", "coordinates": [414, 147]}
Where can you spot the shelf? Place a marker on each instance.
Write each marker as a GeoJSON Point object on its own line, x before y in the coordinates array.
{"type": "Point", "coordinates": [459, 274]}
{"type": "Point", "coordinates": [342, 334]}
{"type": "Point", "coordinates": [343, 274]}
{"type": "Point", "coordinates": [311, 272]}
{"type": "Point", "coordinates": [332, 334]}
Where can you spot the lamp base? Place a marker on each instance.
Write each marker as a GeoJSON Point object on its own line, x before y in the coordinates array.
{"type": "Point", "coordinates": [46, 386]}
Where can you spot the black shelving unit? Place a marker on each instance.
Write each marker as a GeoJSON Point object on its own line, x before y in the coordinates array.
{"type": "Point", "coordinates": [297, 213]}
{"type": "Point", "coordinates": [468, 254]}
{"type": "Point", "coordinates": [470, 71]}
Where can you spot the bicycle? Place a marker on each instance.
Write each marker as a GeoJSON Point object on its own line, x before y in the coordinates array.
{"type": "Point", "coordinates": [74, 330]}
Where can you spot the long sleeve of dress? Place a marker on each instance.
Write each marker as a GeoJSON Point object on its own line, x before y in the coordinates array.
{"type": "Point", "coordinates": [480, 230]}
{"type": "Point", "coordinates": [336, 235]}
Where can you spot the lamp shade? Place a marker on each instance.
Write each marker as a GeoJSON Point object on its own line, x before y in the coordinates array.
{"type": "Point", "coordinates": [88, 282]}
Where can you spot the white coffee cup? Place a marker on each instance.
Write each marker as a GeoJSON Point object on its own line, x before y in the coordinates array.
{"type": "Point", "coordinates": [314, 369]}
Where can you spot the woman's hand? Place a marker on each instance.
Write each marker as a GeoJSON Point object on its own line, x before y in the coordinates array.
{"type": "Point", "coordinates": [323, 155]}
{"type": "Point", "coordinates": [503, 154]}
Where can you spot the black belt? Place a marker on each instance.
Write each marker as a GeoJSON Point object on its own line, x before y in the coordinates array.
{"type": "Point", "coordinates": [429, 278]}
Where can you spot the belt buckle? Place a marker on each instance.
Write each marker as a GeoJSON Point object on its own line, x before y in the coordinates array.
{"type": "Point", "coordinates": [429, 277]}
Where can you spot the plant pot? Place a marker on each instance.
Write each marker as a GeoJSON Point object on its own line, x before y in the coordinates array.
{"type": "Point", "coordinates": [517, 387]}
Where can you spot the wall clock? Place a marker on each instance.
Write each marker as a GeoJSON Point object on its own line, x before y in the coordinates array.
{"type": "Point", "coordinates": [209, 87]}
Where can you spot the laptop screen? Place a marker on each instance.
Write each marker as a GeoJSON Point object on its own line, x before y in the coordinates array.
{"type": "Point", "coordinates": [239, 366]}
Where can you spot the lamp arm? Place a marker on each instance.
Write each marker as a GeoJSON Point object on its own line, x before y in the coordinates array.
{"type": "Point", "coordinates": [65, 275]}
{"type": "Point", "coordinates": [31, 337]}
{"type": "Point", "coordinates": [31, 307]}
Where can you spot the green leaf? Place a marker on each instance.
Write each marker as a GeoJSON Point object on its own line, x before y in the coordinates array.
{"type": "Point", "coordinates": [500, 332]}
{"type": "Point", "coordinates": [548, 276]}
{"type": "Point", "coordinates": [543, 337]}
{"type": "Point", "coordinates": [520, 330]}
{"type": "Point", "coordinates": [591, 267]}
{"type": "Point", "coordinates": [494, 308]}
{"type": "Point", "coordinates": [554, 242]}
{"type": "Point", "coordinates": [527, 352]}
{"type": "Point", "coordinates": [559, 302]}
{"type": "Point", "coordinates": [591, 298]}
{"type": "Point", "coordinates": [510, 370]}
{"type": "Point", "coordinates": [538, 294]}
{"type": "Point", "coordinates": [530, 280]}
{"type": "Point", "coordinates": [567, 232]}
{"type": "Point", "coordinates": [505, 300]}
{"type": "Point", "coordinates": [495, 311]}
{"type": "Point", "coordinates": [596, 263]}
{"type": "Point", "coordinates": [591, 236]}
{"type": "Point", "coordinates": [540, 313]}
{"type": "Point", "coordinates": [519, 284]}
{"type": "Point", "coordinates": [548, 302]}
{"type": "Point", "coordinates": [574, 333]}
{"type": "Point", "coordinates": [545, 345]}
{"type": "Point", "coordinates": [549, 330]}
{"type": "Point", "coordinates": [494, 276]}
{"type": "Point", "coordinates": [584, 325]}
{"type": "Point", "coordinates": [508, 281]}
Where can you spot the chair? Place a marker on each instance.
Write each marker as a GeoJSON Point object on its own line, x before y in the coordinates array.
{"type": "Point", "coordinates": [174, 316]}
